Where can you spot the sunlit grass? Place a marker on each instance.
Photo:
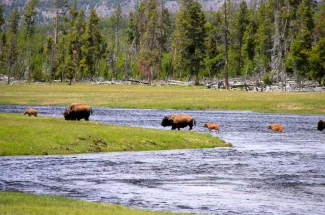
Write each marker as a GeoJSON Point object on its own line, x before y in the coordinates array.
{"type": "Point", "coordinates": [23, 135]}
{"type": "Point", "coordinates": [162, 97]}
{"type": "Point", "coordinates": [27, 204]}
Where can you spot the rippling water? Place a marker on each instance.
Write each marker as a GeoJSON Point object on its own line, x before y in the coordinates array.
{"type": "Point", "coordinates": [264, 173]}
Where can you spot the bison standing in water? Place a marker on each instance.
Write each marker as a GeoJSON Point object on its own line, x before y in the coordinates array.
{"type": "Point", "coordinates": [321, 125]}
{"type": "Point", "coordinates": [178, 121]}
{"type": "Point", "coordinates": [31, 112]}
{"type": "Point", "coordinates": [77, 111]}
{"type": "Point", "coordinates": [276, 127]}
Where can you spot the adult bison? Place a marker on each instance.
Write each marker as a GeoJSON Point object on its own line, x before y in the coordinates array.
{"type": "Point", "coordinates": [77, 111]}
{"type": "Point", "coordinates": [211, 126]}
{"type": "Point", "coordinates": [31, 112]}
{"type": "Point", "coordinates": [276, 127]}
{"type": "Point", "coordinates": [321, 125]}
{"type": "Point", "coordinates": [178, 121]}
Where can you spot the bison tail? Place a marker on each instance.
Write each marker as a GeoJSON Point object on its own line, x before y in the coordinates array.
{"type": "Point", "coordinates": [194, 122]}
{"type": "Point", "coordinates": [91, 111]}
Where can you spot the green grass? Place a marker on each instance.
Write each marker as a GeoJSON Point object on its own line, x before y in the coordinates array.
{"type": "Point", "coordinates": [164, 97]}
{"type": "Point", "coordinates": [27, 204]}
{"type": "Point", "coordinates": [23, 135]}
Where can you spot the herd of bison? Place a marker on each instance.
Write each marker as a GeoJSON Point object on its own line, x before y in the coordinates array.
{"type": "Point", "coordinates": [76, 111]}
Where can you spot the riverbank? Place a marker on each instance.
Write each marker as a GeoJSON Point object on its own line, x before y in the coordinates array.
{"type": "Point", "coordinates": [28, 204]}
{"type": "Point", "coordinates": [23, 135]}
{"type": "Point", "coordinates": [163, 97]}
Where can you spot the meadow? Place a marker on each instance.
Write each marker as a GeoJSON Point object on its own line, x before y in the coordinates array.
{"type": "Point", "coordinates": [163, 97]}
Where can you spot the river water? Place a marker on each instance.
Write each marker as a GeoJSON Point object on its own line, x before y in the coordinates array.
{"type": "Point", "coordinates": [263, 173]}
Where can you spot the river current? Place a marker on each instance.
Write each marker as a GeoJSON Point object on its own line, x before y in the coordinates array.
{"type": "Point", "coordinates": [263, 173]}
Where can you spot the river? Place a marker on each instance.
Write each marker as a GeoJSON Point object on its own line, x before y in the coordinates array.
{"type": "Point", "coordinates": [263, 173]}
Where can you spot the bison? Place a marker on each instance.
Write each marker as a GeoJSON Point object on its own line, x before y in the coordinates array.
{"type": "Point", "coordinates": [31, 112]}
{"type": "Point", "coordinates": [276, 127]}
{"type": "Point", "coordinates": [77, 111]}
{"type": "Point", "coordinates": [178, 121]}
{"type": "Point", "coordinates": [211, 126]}
{"type": "Point", "coordinates": [321, 125]}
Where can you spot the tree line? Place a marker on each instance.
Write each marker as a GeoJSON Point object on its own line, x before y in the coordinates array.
{"type": "Point", "coordinates": [270, 41]}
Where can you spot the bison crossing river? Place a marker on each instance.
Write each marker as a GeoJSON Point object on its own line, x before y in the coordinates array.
{"type": "Point", "coordinates": [263, 173]}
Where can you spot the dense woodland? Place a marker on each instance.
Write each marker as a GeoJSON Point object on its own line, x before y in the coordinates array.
{"type": "Point", "coordinates": [271, 42]}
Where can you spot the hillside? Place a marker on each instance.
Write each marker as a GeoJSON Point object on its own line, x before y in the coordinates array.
{"type": "Point", "coordinates": [106, 7]}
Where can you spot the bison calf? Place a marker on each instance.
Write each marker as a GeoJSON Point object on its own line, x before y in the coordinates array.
{"type": "Point", "coordinates": [211, 126]}
{"type": "Point", "coordinates": [31, 112]}
{"type": "Point", "coordinates": [276, 127]}
{"type": "Point", "coordinates": [178, 121]}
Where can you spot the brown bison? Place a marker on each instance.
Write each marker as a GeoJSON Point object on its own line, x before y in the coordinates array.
{"type": "Point", "coordinates": [276, 127]}
{"type": "Point", "coordinates": [211, 126]}
{"type": "Point", "coordinates": [321, 125]}
{"type": "Point", "coordinates": [77, 111]}
{"type": "Point", "coordinates": [31, 112]}
{"type": "Point", "coordinates": [178, 121]}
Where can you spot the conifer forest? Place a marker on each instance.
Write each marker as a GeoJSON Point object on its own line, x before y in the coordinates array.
{"type": "Point", "coordinates": [270, 41]}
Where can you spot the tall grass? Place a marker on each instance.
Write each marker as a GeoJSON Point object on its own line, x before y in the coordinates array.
{"type": "Point", "coordinates": [164, 97]}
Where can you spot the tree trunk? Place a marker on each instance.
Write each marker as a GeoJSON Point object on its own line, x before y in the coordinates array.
{"type": "Point", "coordinates": [226, 48]}
{"type": "Point", "coordinates": [9, 71]}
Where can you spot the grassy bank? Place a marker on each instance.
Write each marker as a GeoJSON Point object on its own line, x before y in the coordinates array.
{"type": "Point", "coordinates": [27, 204]}
{"type": "Point", "coordinates": [23, 135]}
{"type": "Point", "coordinates": [167, 97]}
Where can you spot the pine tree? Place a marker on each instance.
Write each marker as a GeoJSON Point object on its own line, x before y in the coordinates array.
{"type": "Point", "coordinates": [302, 43]}
{"type": "Point", "coordinates": [263, 37]}
{"type": "Point", "coordinates": [92, 47]}
{"type": "Point", "coordinates": [114, 49]}
{"type": "Point", "coordinates": [278, 48]}
{"type": "Point", "coordinates": [2, 41]}
{"type": "Point", "coordinates": [76, 40]}
{"type": "Point", "coordinates": [2, 19]}
{"type": "Point", "coordinates": [49, 64]}
{"type": "Point", "coordinates": [226, 6]}
{"type": "Point", "coordinates": [62, 52]}
{"type": "Point", "coordinates": [29, 29]}
{"type": "Point", "coordinates": [249, 46]}
{"type": "Point", "coordinates": [74, 11]}
{"type": "Point", "coordinates": [12, 44]}
{"type": "Point", "coordinates": [189, 37]}
{"type": "Point", "coordinates": [149, 44]}
{"type": "Point", "coordinates": [317, 61]}
{"type": "Point", "coordinates": [317, 54]}
{"type": "Point", "coordinates": [239, 24]}
{"type": "Point", "coordinates": [214, 45]}
{"type": "Point", "coordinates": [3, 60]}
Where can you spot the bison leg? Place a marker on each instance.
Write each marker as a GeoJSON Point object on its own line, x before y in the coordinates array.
{"type": "Point", "coordinates": [173, 127]}
{"type": "Point", "coordinates": [190, 127]}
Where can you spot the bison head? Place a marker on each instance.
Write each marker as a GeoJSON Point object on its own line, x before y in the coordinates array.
{"type": "Point", "coordinates": [67, 115]}
{"type": "Point", "coordinates": [167, 121]}
{"type": "Point", "coordinates": [320, 125]}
